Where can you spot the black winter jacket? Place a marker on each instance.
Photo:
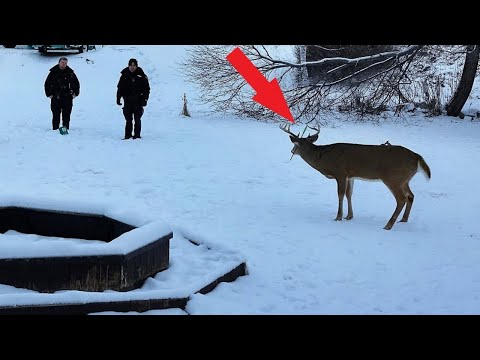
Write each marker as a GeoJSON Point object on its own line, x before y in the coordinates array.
{"type": "Point", "coordinates": [133, 86]}
{"type": "Point", "coordinates": [62, 82]}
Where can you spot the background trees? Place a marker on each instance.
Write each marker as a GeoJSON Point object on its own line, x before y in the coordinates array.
{"type": "Point", "coordinates": [365, 79]}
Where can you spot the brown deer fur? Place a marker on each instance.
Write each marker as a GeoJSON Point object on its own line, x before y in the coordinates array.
{"type": "Point", "coordinates": [393, 165]}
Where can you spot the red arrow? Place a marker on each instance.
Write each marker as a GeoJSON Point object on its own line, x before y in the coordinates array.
{"type": "Point", "coordinates": [268, 94]}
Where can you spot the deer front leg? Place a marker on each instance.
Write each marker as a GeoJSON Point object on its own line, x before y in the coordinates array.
{"type": "Point", "coordinates": [349, 199]}
{"type": "Point", "coordinates": [341, 189]}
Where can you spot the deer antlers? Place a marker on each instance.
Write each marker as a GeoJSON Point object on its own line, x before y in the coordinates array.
{"type": "Point", "coordinates": [317, 129]}
{"type": "Point", "coordinates": [286, 128]}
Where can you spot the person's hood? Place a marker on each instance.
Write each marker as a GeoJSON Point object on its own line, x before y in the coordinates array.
{"type": "Point", "coordinates": [56, 68]}
{"type": "Point", "coordinates": [139, 71]}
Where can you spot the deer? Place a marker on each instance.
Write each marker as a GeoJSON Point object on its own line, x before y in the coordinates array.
{"type": "Point", "coordinates": [394, 165]}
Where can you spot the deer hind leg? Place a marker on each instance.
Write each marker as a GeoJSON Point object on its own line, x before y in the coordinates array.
{"type": "Point", "coordinates": [341, 189]}
{"type": "Point", "coordinates": [349, 199]}
{"type": "Point", "coordinates": [400, 197]}
{"type": "Point", "coordinates": [409, 198]}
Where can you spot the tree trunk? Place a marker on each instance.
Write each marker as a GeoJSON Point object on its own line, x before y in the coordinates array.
{"type": "Point", "coordinates": [464, 88]}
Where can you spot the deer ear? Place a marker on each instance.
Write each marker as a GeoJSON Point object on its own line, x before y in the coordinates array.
{"type": "Point", "coordinates": [293, 139]}
{"type": "Point", "coordinates": [313, 138]}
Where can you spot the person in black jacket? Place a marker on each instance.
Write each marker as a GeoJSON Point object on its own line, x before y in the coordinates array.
{"type": "Point", "coordinates": [61, 86]}
{"type": "Point", "coordinates": [133, 86]}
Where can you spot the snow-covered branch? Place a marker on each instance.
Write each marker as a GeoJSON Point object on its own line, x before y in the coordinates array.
{"type": "Point", "coordinates": [339, 80]}
{"type": "Point", "coordinates": [342, 60]}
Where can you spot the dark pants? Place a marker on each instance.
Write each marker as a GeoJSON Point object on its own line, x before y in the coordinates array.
{"type": "Point", "coordinates": [61, 105]}
{"type": "Point", "coordinates": [131, 112]}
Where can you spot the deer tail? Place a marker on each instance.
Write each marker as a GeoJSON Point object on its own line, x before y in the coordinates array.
{"type": "Point", "coordinates": [424, 168]}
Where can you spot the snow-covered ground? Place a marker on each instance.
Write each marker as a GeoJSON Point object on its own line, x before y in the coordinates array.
{"type": "Point", "coordinates": [229, 183]}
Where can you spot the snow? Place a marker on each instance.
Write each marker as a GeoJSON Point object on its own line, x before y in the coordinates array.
{"type": "Point", "coordinates": [229, 184]}
{"type": "Point", "coordinates": [14, 244]}
{"type": "Point", "coordinates": [190, 269]}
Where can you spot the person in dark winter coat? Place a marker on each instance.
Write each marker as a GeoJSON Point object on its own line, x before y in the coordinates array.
{"type": "Point", "coordinates": [61, 86]}
{"type": "Point", "coordinates": [133, 86]}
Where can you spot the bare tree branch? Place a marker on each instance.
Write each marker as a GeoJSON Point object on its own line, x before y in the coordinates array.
{"type": "Point", "coordinates": [341, 60]}
{"type": "Point", "coordinates": [369, 80]}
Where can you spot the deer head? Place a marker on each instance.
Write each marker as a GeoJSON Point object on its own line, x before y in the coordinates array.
{"type": "Point", "coordinates": [344, 162]}
{"type": "Point", "coordinates": [298, 141]}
